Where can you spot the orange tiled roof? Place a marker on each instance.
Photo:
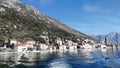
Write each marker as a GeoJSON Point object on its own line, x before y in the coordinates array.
{"type": "Point", "coordinates": [20, 44]}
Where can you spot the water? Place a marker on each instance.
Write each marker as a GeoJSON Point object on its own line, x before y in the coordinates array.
{"type": "Point", "coordinates": [99, 58]}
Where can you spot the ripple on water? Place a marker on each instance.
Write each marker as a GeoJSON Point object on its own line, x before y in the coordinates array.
{"type": "Point", "coordinates": [107, 58]}
{"type": "Point", "coordinates": [59, 63]}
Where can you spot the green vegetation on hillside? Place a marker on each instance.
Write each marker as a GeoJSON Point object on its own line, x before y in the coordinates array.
{"type": "Point", "coordinates": [14, 24]}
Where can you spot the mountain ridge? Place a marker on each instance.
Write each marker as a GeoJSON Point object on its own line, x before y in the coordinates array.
{"type": "Point", "coordinates": [21, 20]}
{"type": "Point", "coordinates": [112, 37]}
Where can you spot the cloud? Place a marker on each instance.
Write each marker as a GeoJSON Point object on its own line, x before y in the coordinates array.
{"type": "Point", "coordinates": [94, 9]}
{"type": "Point", "coordinates": [89, 8]}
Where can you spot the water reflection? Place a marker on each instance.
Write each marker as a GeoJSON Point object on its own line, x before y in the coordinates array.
{"type": "Point", "coordinates": [59, 63]}
{"type": "Point", "coordinates": [99, 58]}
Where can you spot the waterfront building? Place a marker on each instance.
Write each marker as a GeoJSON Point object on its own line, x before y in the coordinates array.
{"type": "Point", "coordinates": [43, 46]}
{"type": "Point", "coordinates": [73, 47]}
{"type": "Point", "coordinates": [13, 41]}
{"type": "Point", "coordinates": [59, 41]}
{"type": "Point", "coordinates": [21, 47]}
{"type": "Point", "coordinates": [30, 44]}
{"type": "Point", "coordinates": [63, 47]}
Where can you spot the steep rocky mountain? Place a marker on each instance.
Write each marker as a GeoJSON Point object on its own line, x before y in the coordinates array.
{"type": "Point", "coordinates": [111, 37]}
{"type": "Point", "coordinates": [21, 21]}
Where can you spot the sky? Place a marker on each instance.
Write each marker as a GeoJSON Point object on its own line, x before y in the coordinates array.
{"type": "Point", "coordinates": [86, 16]}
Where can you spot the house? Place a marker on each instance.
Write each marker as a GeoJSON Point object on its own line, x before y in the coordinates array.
{"type": "Point", "coordinates": [59, 41]}
{"type": "Point", "coordinates": [63, 47]}
{"type": "Point", "coordinates": [13, 41]}
{"type": "Point", "coordinates": [21, 47]}
{"type": "Point", "coordinates": [30, 44]}
{"type": "Point", "coordinates": [87, 46]}
{"type": "Point", "coordinates": [52, 47]}
{"type": "Point", "coordinates": [43, 46]}
{"type": "Point", "coordinates": [70, 43]}
{"type": "Point", "coordinates": [75, 44]}
{"type": "Point", "coordinates": [73, 47]}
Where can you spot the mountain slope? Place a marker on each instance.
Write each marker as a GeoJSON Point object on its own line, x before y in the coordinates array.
{"type": "Point", "coordinates": [111, 37]}
{"type": "Point", "coordinates": [21, 21]}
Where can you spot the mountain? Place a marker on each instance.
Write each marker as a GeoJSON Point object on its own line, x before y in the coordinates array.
{"type": "Point", "coordinates": [111, 37]}
{"type": "Point", "coordinates": [22, 21]}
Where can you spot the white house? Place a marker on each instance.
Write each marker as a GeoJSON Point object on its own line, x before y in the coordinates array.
{"type": "Point", "coordinates": [55, 48]}
{"type": "Point", "coordinates": [43, 46]}
{"type": "Point", "coordinates": [21, 47]}
{"type": "Point", "coordinates": [13, 41]}
{"type": "Point", "coordinates": [52, 47]}
{"type": "Point", "coordinates": [70, 43]}
{"type": "Point", "coordinates": [30, 44]}
{"type": "Point", "coordinates": [87, 46]}
{"type": "Point", "coordinates": [62, 47]}
{"type": "Point", "coordinates": [73, 47]}
{"type": "Point", "coordinates": [59, 41]}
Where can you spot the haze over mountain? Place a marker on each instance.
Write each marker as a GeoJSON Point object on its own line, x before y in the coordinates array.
{"type": "Point", "coordinates": [22, 21]}
{"type": "Point", "coordinates": [111, 37]}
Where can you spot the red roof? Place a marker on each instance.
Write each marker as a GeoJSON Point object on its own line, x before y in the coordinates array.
{"type": "Point", "coordinates": [20, 44]}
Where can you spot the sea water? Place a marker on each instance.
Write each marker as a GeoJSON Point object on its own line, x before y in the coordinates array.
{"type": "Point", "coordinates": [83, 58]}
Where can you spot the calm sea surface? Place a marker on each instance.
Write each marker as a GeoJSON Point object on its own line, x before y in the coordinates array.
{"type": "Point", "coordinates": [99, 58]}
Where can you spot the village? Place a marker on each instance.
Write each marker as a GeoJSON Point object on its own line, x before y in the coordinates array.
{"type": "Point", "coordinates": [22, 52]}
{"type": "Point", "coordinates": [31, 45]}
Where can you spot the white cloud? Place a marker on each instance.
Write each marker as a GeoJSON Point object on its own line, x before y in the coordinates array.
{"type": "Point", "coordinates": [89, 8]}
{"type": "Point", "coordinates": [94, 9]}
